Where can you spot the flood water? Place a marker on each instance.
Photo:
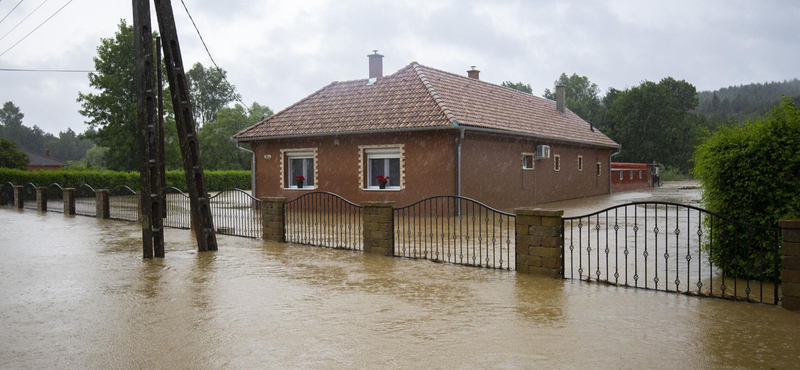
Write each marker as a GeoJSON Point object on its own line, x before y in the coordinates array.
{"type": "Point", "coordinates": [75, 293]}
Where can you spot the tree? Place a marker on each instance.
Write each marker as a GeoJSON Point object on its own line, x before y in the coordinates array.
{"type": "Point", "coordinates": [219, 152]}
{"type": "Point", "coordinates": [526, 88]}
{"type": "Point", "coordinates": [209, 92]}
{"type": "Point", "coordinates": [581, 96]}
{"type": "Point", "coordinates": [10, 157]}
{"type": "Point", "coordinates": [32, 139]}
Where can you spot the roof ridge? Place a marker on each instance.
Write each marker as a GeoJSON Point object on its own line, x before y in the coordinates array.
{"type": "Point", "coordinates": [484, 82]}
{"type": "Point", "coordinates": [434, 94]}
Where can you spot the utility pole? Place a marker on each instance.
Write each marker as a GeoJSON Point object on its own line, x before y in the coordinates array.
{"type": "Point", "coordinates": [150, 168]}
{"type": "Point", "coordinates": [184, 120]}
{"type": "Point", "coordinates": [161, 160]}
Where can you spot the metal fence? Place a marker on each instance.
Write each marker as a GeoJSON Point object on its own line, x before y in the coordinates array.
{"type": "Point", "coordinates": [28, 196]}
{"type": "Point", "coordinates": [178, 209]}
{"type": "Point", "coordinates": [85, 200]}
{"type": "Point", "coordinates": [674, 248]}
{"type": "Point", "coordinates": [54, 196]}
{"type": "Point", "coordinates": [457, 230]}
{"type": "Point", "coordinates": [7, 194]}
{"type": "Point", "coordinates": [236, 212]}
{"type": "Point", "coordinates": [324, 219]}
{"type": "Point", "coordinates": [123, 204]}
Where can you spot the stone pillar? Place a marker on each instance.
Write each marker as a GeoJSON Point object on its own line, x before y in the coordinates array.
{"type": "Point", "coordinates": [538, 237]}
{"type": "Point", "coordinates": [790, 264]}
{"type": "Point", "coordinates": [273, 226]}
{"type": "Point", "coordinates": [18, 196]}
{"type": "Point", "coordinates": [102, 206]}
{"type": "Point", "coordinates": [378, 228]}
{"type": "Point", "coordinates": [69, 201]}
{"type": "Point", "coordinates": [41, 198]}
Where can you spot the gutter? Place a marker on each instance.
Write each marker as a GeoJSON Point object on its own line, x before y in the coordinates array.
{"type": "Point", "coordinates": [609, 166]}
{"type": "Point", "coordinates": [252, 167]}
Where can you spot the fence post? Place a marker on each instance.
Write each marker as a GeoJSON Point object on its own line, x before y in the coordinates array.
{"type": "Point", "coordinates": [69, 201]}
{"type": "Point", "coordinates": [378, 229]}
{"type": "Point", "coordinates": [539, 249]}
{"type": "Point", "coordinates": [273, 226]}
{"type": "Point", "coordinates": [790, 264]}
{"type": "Point", "coordinates": [102, 205]}
{"type": "Point", "coordinates": [41, 198]}
{"type": "Point", "coordinates": [18, 196]}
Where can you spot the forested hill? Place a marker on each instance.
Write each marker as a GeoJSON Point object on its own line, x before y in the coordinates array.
{"type": "Point", "coordinates": [745, 100]}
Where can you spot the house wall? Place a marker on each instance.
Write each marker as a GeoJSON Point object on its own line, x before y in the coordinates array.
{"type": "Point", "coordinates": [429, 165]}
{"type": "Point", "coordinates": [628, 184]}
{"type": "Point", "coordinates": [492, 171]}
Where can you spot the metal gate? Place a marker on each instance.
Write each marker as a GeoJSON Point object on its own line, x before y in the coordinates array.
{"type": "Point", "coordinates": [54, 196]}
{"type": "Point", "coordinates": [673, 247]}
{"type": "Point", "coordinates": [85, 201]}
{"type": "Point", "coordinates": [28, 196]}
{"type": "Point", "coordinates": [236, 212]}
{"type": "Point", "coordinates": [324, 219]}
{"type": "Point", "coordinates": [7, 194]}
{"type": "Point", "coordinates": [123, 204]}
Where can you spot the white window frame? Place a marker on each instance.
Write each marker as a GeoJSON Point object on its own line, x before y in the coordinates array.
{"type": "Point", "coordinates": [640, 174]}
{"type": "Point", "coordinates": [383, 153]}
{"type": "Point", "coordinates": [599, 168]}
{"type": "Point", "coordinates": [580, 163]}
{"type": "Point", "coordinates": [631, 174]}
{"type": "Point", "coordinates": [287, 182]}
{"type": "Point", "coordinates": [533, 161]}
{"type": "Point", "coordinates": [621, 175]}
{"type": "Point", "coordinates": [557, 162]}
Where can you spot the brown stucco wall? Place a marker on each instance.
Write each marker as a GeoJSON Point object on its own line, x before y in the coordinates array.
{"type": "Point", "coordinates": [492, 171]}
{"type": "Point", "coordinates": [429, 162]}
{"type": "Point", "coordinates": [626, 184]}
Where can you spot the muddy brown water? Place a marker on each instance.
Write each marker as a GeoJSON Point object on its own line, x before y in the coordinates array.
{"type": "Point", "coordinates": [75, 293]}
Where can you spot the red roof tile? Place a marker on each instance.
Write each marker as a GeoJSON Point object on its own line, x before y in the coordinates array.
{"type": "Point", "coordinates": [418, 97]}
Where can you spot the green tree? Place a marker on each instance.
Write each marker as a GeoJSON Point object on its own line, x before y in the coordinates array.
{"type": "Point", "coordinates": [219, 152]}
{"type": "Point", "coordinates": [581, 96]}
{"type": "Point", "coordinates": [94, 158]}
{"type": "Point", "coordinates": [526, 88]}
{"type": "Point", "coordinates": [10, 157]}
{"type": "Point", "coordinates": [32, 139]}
{"type": "Point", "coordinates": [209, 92]}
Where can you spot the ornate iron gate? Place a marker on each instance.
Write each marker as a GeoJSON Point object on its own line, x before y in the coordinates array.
{"type": "Point", "coordinates": [54, 194]}
{"type": "Point", "coordinates": [7, 194]}
{"type": "Point", "coordinates": [674, 248]}
{"type": "Point", "coordinates": [178, 212]}
{"type": "Point", "coordinates": [454, 229]}
{"type": "Point", "coordinates": [123, 204]}
{"type": "Point", "coordinates": [236, 212]}
{"type": "Point", "coordinates": [85, 200]}
{"type": "Point", "coordinates": [28, 196]}
{"type": "Point", "coordinates": [324, 219]}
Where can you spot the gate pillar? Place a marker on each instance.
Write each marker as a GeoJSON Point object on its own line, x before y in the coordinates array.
{"type": "Point", "coordinates": [102, 205]}
{"type": "Point", "coordinates": [379, 228]}
{"type": "Point", "coordinates": [273, 226]}
{"type": "Point", "coordinates": [41, 198]}
{"type": "Point", "coordinates": [538, 236]}
{"type": "Point", "coordinates": [790, 264]}
{"type": "Point", "coordinates": [18, 196]}
{"type": "Point", "coordinates": [69, 201]}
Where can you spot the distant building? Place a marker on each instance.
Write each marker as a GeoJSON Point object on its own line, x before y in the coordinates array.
{"type": "Point", "coordinates": [634, 176]}
{"type": "Point", "coordinates": [38, 162]}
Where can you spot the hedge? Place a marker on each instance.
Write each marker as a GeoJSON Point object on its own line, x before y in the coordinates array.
{"type": "Point", "coordinates": [101, 179]}
{"type": "Point", "coordinates": [751, 174]}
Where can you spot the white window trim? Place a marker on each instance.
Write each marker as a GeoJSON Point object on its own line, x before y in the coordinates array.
{"type": "Point", "coordinates": [533, 161]}
{"type": "Point", "coordinates": [300, 152]}
{"type": "Point", "coordinates": [621, 175]}
{"type": "Point", "coordinates": [599, 168]}
{"type": "Point", "coordinates": [372, 151]}
{"type": "Point", "coordinates": [580, 163]}
{"type": "Point", "coordinates": [640, 174]}
{"type": "Point", "coordinates": [557, 162]}
{"type": "Point", "coordinates": [631, 174]}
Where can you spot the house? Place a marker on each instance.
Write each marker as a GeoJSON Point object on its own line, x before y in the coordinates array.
{"type": "Point", "coordinates": [38, 162]}
{"type": "Point", "coordinates": [634, 176]}
{"type": "Point", "coordinates": [432, 133]}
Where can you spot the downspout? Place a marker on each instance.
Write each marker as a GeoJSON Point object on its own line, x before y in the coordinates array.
{"type": "Point", "coordinates": [458, 163]}
{"type": "Point", "coordinates": [609, 166]}
{"type": "Point", "coordinates": [252, 167]}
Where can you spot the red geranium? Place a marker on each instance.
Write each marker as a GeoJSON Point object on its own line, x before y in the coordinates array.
{"type": "Point", "coordinates": [382, 179]}
{"type": "Point", "coordinates": [300, 178]}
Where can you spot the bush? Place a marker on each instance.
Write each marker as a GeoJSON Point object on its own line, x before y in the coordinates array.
{"type": "Point", "coordinates": [673, 174]}
{"type": "Point", "coordinates": [751, 174]}
{"type": "Point", "coordinates": [70, 177]}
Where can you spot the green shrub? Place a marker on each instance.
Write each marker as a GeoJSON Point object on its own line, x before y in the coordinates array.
{"type": "Point", "coordinates": [70, 177]}
{"type": "Point", "coordinates": [751, 174]}
{"type": "Point", "coordinates": [673, 174]}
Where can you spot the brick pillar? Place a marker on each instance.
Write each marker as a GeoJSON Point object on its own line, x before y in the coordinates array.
{"type": "Point", "coordinates": [539, 249]}
{"type": "Point", "coordinates": [790, 264]}
{"type": "Point", "coordinates": [378, 228]}
{"type": "Point", "coordinates": [273, 226]}
{"type": "Point", "coordinates": [41, 198]}
{"type": "Point", "coordinates": [18, 196]}
{"type": "Point", "coordinates": [69, 201]}
{"type": "Point", "coordinates": [101, 203]}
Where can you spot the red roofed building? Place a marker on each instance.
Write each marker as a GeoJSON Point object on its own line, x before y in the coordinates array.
{"type": "Point", "coordinates": [37, 162]}
{"type": "Point", "coordinates": [432, 133]}
{"type": "Point", "coordinates": [633, 176]}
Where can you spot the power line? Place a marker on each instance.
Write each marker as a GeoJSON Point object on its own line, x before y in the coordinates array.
{"type": "Point", "coordinates": [48, 70]}
{"type": "Point", "coordinates": [37, 27]}
{"type": "Point", "coordinates": [12, 10]}
{"type": "Point", "coordinates": [23, 19]}
{"type": "Point", "coordinates": [209, 55]}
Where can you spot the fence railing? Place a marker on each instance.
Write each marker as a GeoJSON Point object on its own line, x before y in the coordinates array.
{"type": "Point", "coordinates": [324, 219]}
{"type": "Point", "coordinates": [123, 204]}
{"type": "Point", "coordinates": [178, 209]}
{"type": "Point", "coordinates": [236, 212]}
{"type": "Point", "coordinates": [29, 196]}
{"type": "Point", "coordinates": [457, 230]}
{"type": "Point", "coordinates": [7, 194]}
{"type": "Point", "coordinates": [675, 248]}
{"type": "Point", "coordinates": [85, 200]}
{"type": "Point", "coordinates": [54, 196]}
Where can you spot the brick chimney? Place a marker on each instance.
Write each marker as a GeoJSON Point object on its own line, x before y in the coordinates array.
{"type": "Point", "coordinates": [375, 65]}
{"type": "Point", "coordinates": [47, 152]}
{"type": "Point", "coordinates": [560, 92]}
{"type": "Point", "coordinates": [473, 73]}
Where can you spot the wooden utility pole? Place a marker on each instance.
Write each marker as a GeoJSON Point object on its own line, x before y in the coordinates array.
{"type": "Point", "coordinates": [161, 159]}
{"type": "Point", "coordinates": [184, 120]}
{"type": "Point", "coordinates": [150, 178]}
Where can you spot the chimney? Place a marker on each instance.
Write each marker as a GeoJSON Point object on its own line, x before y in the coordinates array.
{"type": "Point", "coordinates": [560, 92]}
{"type": "Point", "coordinates": [473, 73]}
{"type": "Point", "coordinates": [47, 152]}
{"type": "Point", "coordinates": [375, 65]}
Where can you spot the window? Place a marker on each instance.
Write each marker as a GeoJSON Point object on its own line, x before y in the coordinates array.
{"type": "Point", "coordinates": [527, 161]}
{"type": "Point", "coordinates": [580, 163]}
{"type": "Point", "coordinates": [597, 168]}
{"type": "Point", "coordinates": [557, 162]}
{"type": "Point", "coordinates": [640, 174]}
{"type": "Point", "coordinates": [383, 162]}
{"type": "Point", "coordinates": [631, 175]}
{"type": "Point", "coordinates": [620, 175]}
{"type": "Point", "coordinates": [300, 164]}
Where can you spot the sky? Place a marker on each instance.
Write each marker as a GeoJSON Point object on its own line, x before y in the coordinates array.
{"type": "Point", "coordinates": [277, 52]}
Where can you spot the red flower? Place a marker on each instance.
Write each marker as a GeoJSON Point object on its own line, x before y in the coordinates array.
{"type": "Point", "coordinates": [382, 179]}
{"type": "Point", "coordinates": [300, 178]}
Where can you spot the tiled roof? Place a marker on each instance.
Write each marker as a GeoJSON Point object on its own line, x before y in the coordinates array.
{"type": "Point", "coordinates": [35, 159]}
{"type": "Point", "coordinates": [418, 97]}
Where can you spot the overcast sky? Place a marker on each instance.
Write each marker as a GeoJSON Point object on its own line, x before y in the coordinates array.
{"type": "Point", "coordinates": [277, 52]}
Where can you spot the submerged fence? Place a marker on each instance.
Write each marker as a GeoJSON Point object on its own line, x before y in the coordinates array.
{"type": "Point", "coordinates": [324, 219]}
